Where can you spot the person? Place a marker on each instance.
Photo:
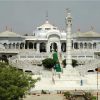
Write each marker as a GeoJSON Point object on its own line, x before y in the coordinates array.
{"type": "Point", "coordinates": [81, 82]}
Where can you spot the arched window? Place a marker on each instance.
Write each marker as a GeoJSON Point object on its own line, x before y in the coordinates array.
{"type": "Point", "coordinates": [10, 46]}
{"type": "Point", "coordinates": [53, 47]}
{"type": "Point", "coordinates": [94, 45]}
{"type": "Point", "coordinates": [21, 45]}
{"type": "Point", "coordinates": [76, 45]}
{"type": "Point", "coordinates": [81, 45]}
{"type": "Point", "coordinates": [85, 45]}
{"type": "Point", "coordinates": [89, 45]}
{"type": "Point", "coordinates": [30, 45]}
{"type": "Point", "coordinates": [5, 45]}
{"type": "Point", "coordinates": [63, 47]}
{"type": "Point", "coordinates": [13, 45]}
{"type": "Point", "coordinates": [42, 47]}
{"type": "Point", "coordinates": [17, 46]}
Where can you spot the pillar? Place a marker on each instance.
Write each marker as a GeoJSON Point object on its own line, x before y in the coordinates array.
{"type": "Point", "coordinates": [59, 47]}
{"type": "Point", "coordinates": [48, 47]}
{"type": "Point", "coordinates": [38, 47]}
{"type": "Point", "coordinates": [68, 41]}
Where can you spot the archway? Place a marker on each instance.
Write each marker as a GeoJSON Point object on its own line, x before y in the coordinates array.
{"type": "Point", "coordinates": [5, 45]}
{"type": "Point", "coordinates": [17, 46]}
{"type": "Point", "coordinates": [89, 45]}
{"type": "Point", "coordinates": [4, 58]}
{"type": "Point", "coordinates": [85, 45]}
{"type": "Point", "coordinates": [30, 45]}
{"type": "Point", "coordinates": [53, 47]}
{"type": "Point", "coordinates": [76, 45]}
{"type": "Point", "coordinates": [63, 47]}
{"type": "Point", "coordinates": [21, 45]}
{"type": "Point", "coordinates": [94, 45]}
{"type": "Point", "coordinates": [81, 45]}
{"type": "Point", "coordinates": [42, 47]}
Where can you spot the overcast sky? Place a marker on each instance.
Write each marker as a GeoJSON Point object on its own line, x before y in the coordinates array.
{"type": "Point", "coordinates": [24, 16]}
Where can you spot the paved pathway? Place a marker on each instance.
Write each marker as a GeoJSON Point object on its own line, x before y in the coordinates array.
{"type": "Point", "coordinates": [45, 97]}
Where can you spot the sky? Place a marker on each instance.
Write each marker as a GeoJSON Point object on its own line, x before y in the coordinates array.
{"type": "Point", "coordinates": [23, 16]}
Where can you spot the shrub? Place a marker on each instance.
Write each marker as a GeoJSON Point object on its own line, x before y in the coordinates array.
{"type": "Point", "coordinates": [48, 63]}
{"type": "Point", "coordinates": [88, 96]}
{"type": "Point", "coordinates": [67, 95]}
{"type": "Point", "coordinates": [74, 62]}
{"type": "Point", "coordinates": [43, 92]}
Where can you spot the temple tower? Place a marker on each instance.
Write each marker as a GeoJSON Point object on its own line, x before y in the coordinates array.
{"type": "Point", "coordinates": [68, 40]}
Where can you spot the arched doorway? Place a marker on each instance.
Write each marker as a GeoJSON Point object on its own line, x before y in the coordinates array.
{"type": "Point", "coordinates": [30, 45]}
{"type": "Point", "coordinates": [53, 47]}
{"type": "Point", "coordinates": [42, 47]}
{"type": "Point", "coordinates": [94, 45]}
{"type": "Point", "coordinates": [4, 58]}
{"type": "Point", "coordinates": [5, 45]}
{"type": "Point", "coordinates": [75, 45]}
{"type": "Point", "coordinates": [63, 47]}
{"type": "Point", "coordinates": [21, 45]}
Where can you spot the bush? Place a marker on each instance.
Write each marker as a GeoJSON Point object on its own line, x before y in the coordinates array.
{"type": "Point", "coordinates": [13, 83]}
{"type": "Point", "coordinates": [43, 92]}
{"type": "Point", "coordinates": [48, 63]}
{"type": "Point", "coordinates": [67, 95]}
{"type": "Point", "coordinates": [74, 62]}
{"type": "Point", "coordinates": [89, 96]}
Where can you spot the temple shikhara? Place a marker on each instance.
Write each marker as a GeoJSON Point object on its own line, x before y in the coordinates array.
{"type": "Point", "coordinates": [27, 52]}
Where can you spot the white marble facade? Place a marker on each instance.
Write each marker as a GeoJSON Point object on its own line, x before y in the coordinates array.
{"type": "Point", "coordinates": [47, 38]}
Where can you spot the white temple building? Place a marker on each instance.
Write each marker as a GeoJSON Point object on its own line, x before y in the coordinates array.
{"type": "Point", "coordinates": [27, 52]}
{"type": "Point", "coordinates": [47, 38]}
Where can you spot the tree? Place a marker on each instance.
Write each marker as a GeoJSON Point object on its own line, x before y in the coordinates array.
{"type": "Point", "coordinates": [74, 62]}
{"type": "Point", "coordinates": [48, 63]}
{"type": "Point", "coordinates": [13, 83]}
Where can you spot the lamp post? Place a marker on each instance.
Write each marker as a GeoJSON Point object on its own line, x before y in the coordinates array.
{"type": "Point", "coordinates": [97, 83]}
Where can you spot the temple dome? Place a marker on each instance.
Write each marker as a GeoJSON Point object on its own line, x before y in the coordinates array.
{"type": "Point", "coordinates": [9, 34]}
{"type": "Point", "coordinates": [46, 26]}
{"type": "Point", "coordinates": [44, 29]}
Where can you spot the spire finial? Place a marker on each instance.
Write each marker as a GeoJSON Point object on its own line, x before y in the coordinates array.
{"type": "Point", "coordinates": [68, 10]}
{"type": "Point", "coordinates": [92, 28]}
{"type": "Point", "coordinates": [46, 15]}
{"type": "Point", "coordinates": [6, 28]}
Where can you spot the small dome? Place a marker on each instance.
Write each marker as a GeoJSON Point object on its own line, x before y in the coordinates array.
{"type": "Point", "coordinates": [9, 34]}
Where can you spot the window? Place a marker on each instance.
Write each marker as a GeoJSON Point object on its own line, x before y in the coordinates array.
{"type": "Point", "coordinates": [39, 28]}
{"type": "Point", "coordinates": [47, 28]}
{"type": "Point", "coordinates": [54, 28]}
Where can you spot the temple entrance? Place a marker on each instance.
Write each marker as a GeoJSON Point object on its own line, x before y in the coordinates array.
{"type": "Point", "coordinates": [53, 47]}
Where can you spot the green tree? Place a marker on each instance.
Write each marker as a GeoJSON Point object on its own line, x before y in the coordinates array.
{"type": "Point", "coordinates": [74, 62]}
{"type": "Point", "coordinates": [48, 63]}
{"type": "Point", "coordinates": [13, 83]}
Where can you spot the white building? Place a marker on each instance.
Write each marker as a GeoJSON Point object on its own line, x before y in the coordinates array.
{"type": "Point", "coordinates": [25, 51]}
{"type": "Point", "coordinates": [47, 38]}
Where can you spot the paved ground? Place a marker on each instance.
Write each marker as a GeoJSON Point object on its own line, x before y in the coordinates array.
{"type": "Point", "coordinates": [45, 97]}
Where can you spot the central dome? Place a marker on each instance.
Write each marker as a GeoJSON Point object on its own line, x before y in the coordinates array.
{"type": "Point", "coordinates": [46, 26]}
{"type": "Point", "coordinates": [44, 29]}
